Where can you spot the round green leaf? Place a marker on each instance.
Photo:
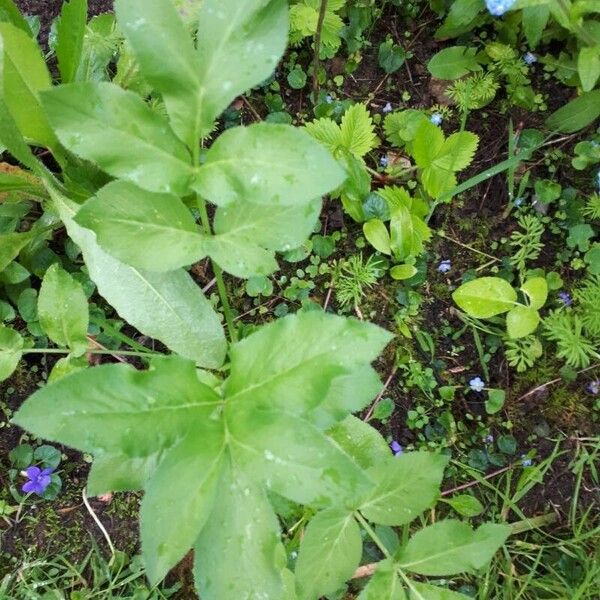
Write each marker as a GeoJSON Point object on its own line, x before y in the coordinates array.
{"type": "Point", "coordinates": [401, 272]}
{"type": "Point", "coordinates": [485, 297]}
{"type": "Point", "coordinates": [521, 321]}
{"type": "Point", "coordinates": [11, 350]}
{"type": "Point", "coordinates": [495, 401]}
{"type": "Point", "coordinates": [377, 235]}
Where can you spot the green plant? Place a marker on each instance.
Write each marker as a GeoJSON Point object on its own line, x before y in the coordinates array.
{"type": "Point", "coordinates": [352, 277]}
{"type": "Point", "coordinates": [566, 328]}
{"type": "Point", "coordinates": [212, 443]}
{"type": "Point", "coordinates": [527, 244]}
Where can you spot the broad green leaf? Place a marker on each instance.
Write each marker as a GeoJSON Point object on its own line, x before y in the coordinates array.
{"type": "Point", "coordinates": [70, 32]}
{"type": "Point", "coordinates": [485, 297]}
{"type": "Point", "coordinates": [10, 13]}
{"type": "Point", "coordinates": [115, 408]}
{"type": "Point", "coordinates": [401, 127]}
{"type": "Point", "coordinates": [239, 45]}
{"type": "Point", "coordinates": [240, 257]}
{"type": "Point", "coordinates": [24, 76]}
{"type": "Point", "coordinates": [401, 272]}
{"type": "Point", "coordinates": [536, 289]}
{"type": "Point", "coordinates": [426, 591]}
{"type": "Point", "coordinates": [66, 365]}
{"type": "Point", "coordinates": [304, 465]}
{"type": "Point", "coordinates": [408, 233]}
{"type": "Point", "coordinates": [361, 441]}
{"type": "Point", "coordinates": [465, 505]}
{"type": "Point", "coordinates": [521, 321]}
{"type": "Point", "coordinates": [278, 228]}
{"type": "Point", "coordinates": [116, 472]}
{"type": "Point", "coordinates": [11, 350]}
{"type": "Point", "coordinates": [428, 142]}
{"type": "Point", "coordinates": [185, 484]}
{"type": "Point", "coordinates": [535, 19]}
{"type": "Point", "coordinates": [169, 307]}
{"type": "Point", "coordinates": [357, 131]}
{"type": "Point", "coordinates": [119, 132]}
{"type": "Point", "coordinates": [239, 553]}
{"type": "Point", "coordinates": [377, 235]}
{"type": "Point", "coordinates": [63, 310]}
{"type": "Point", "coordinates": [10, 246]}
{"type": "Point", "coordinates": [267, 164]}
{"type": "Point", "coordinates": [577, 114]}
{"type": "Point", "coordinates": [290, 363]}
{"type": "Point", "coordinates": [457, 152]}
{"type": "Point", "coordinates": [329, 553]}
{"type": "Point", "coordinates": [588, 67]}
{"type": "Point", "coordinates": [495, 401]}
{"type": "Point", "coordinates": [450, 547]}
{"type": "Point", "coordinates": [453, 62]}
{"type": "Point", "coordinates": [406, 486]}
{"type": "Point", "coordinates": [384, 584]}
{"type": "Point", "coordinates": [146, 230]}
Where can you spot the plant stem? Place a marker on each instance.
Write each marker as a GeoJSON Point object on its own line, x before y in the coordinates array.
{"type": "Point", "coordinates": [218, 274]}
{"type": "Point", "coordinates": [365, 525]}
{"type": "Point", "coordinates": [480, 353]}
{"type": "Point", "coordinates": [317, 57]}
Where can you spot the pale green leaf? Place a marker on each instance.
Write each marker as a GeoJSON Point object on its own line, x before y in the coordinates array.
{"type": "Point", "coordinates": [70, 32]}
{"type": "Point", "coordinates": [11, 350]}
{"type": "Point", "coordinates": [401, 127]}
{"type": "Point", "coordinates": [588, 66]}
{"type": "Point", "coordinates": [521, 321]}
{"type": "Point", "coordinates": [329, 553]}
{"type": "Point", "coordinates": [536, 289]}
{"type": "Point", "coordinates": [185, 484]}
{"type": "Point", "coordinates": [401, 272]}
{"type": "Point", "coordinates": [357, 131]}
{"type": "Point", "coordinates": [239, 553]}
{"type": "Point", "coordinates": [327, 132]}
{"type": "Point", "coordinates": [377, 235]}
{"type": "Point", "coordinates": [408, 233]}
{"type": "Point", "coordinates": [10, 12]}
{"type": "Point", "coordinates": [169, 307]}
{"type": "Point", "coordinates": [119, 132]}
{"type": "Point", "coordinates": [450, 547]}
{"type": "Point", "coordinates": [485, 297]}
{"type": "Point", "coordinates": [135, 413]}
{"type": "Point", "coordinates": [426, 591]}
{"type": "Point", "coordinates": [63, 310]}
{"type": "Point", "coordinates": [10, 246]}
{"type": "Point", "coordinates": [577, 114]}
{"type": "Point", "coordinates": [406, 486]}
{"type": "Point", "coordinates": [465, 505]}
{"type": "Point", "coordinates": [267, 164]}
{"type": "Point", "coordinates": [304, 465]}
{"type": "Point", "coordinates": [384, 584]}
{"type": "Point", "coordinates": [535, 19]}
{"type": "Point", "coordinates": [290, 363]}
{"type": "Point", "coordinates": [144, 229]}
{"type": "Point", "coordinates": [453, 62]}
{"type": "Point", "coordinates": [428, 142]}
{"type": "Point", "coordinates": [24, 76]}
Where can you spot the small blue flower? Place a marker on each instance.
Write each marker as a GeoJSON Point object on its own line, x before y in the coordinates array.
{"type": "Point", "coordinates": [530, 58]}
{"type": "Point", "coordinates": [39, 480]}
{"type": "Point", "coordinates": [598, 180]}
{"type": "Point", "coordinates": [489, 438]}
{"type": "Point", "coordinates": [565, 298]}
{"type": "Point", "coordinates": [444, 266]}
{"type": "Point", "coordinates": [498, 7]}
{"type": "Point", "coordinates": [328, 99]}
{"type": "Point", "coordinates": [594, 387]}
{"type": "Point", "coordinates": [396, 448]}
{"type": "Point", "coordinates": [519, 201]}
{"type": "Point", "coordinates": [477, 384]}
{"type": "Point", "coordinates": [526, 462]}
{"type": "Point", "coordinates": [436, 118]}
{"type": "Point", "coordinates": [387, 108]}
{"type": "Point", "coordinates": [384, 161]}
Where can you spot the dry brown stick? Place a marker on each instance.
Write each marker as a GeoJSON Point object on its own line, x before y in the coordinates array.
{"type": "Point", "coordinates": [381, 393]}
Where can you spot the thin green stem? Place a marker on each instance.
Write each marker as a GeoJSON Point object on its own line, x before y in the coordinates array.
{"type": "Point", "coordinates": [480, 353]}
{"type": "Point", "coordinates": [118, 335]}
{"type": "Point", "coordinates": [218, 274]}
{"type": "Point", "coordinates": [376, 539]}
{"type": "Point", "coordinates": [317, 56]}
{"type": "Point", "coordinates": [107, 352]}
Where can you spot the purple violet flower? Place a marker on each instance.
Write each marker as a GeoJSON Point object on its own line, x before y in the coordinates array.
{"type": "Point", "coordinates": [444, 266]}
{"type": "Point", "coordinates": [498, 7]}
{"type": "Point", "coordinates": [436, 118]}
{"type": "Point", "coordinates": [39, 480]}
{"type": "Point", "coordinates": [489, 438]}
{"type": "Point", "coordinates": [530, 58]}
{"type": "Point", "coordinates": [396, 448]}
{"type": "Point", "coordinates": [594, 387]}
{"type": "Point", "coordinates": [387, 108]}
{"type": "Point", "coordinates": [565, 298]}
{"type": "Point", "coordinates": [477, 384]}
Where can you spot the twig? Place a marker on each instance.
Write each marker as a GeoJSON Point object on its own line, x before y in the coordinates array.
{"type": "Point", "coordinates": [317, 57]}
{"type": "Point", "coordinates": [470, 484]}
{"type": "Point", "coordinates": [101, 347]}
{"type": "Point", "coordinates": [209, 285]}
{"type": "Point", "coordinates": [251, 108]}
{"type": "Point", "coordinates": [100, 526]}
{"type": "Point", "coordinates": [328, 297]}
{"type": "Point", "coordinates": [553, 381]}
{"type": "Point", "coordinates": [381, 393]}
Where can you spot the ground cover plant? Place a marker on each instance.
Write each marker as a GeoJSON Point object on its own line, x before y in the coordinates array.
{"type": "Point", "coordinates": [309, 290]}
